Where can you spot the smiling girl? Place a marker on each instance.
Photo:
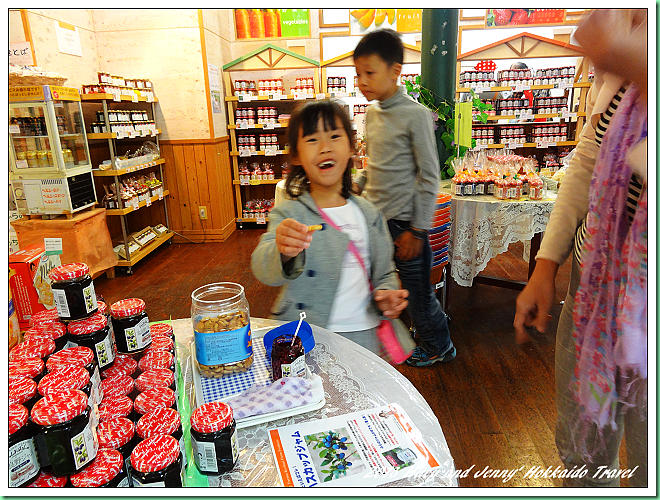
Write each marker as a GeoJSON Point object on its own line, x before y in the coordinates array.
{"type": "Point", "coordinates": [316, 269]}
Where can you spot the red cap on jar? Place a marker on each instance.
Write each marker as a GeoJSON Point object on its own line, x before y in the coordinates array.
{"type": "Point", "coordinates": [155, 453]}
{"type": "Point", "coordinates": [21, 390]}
{"type": "Point", "coordinates": [211, 417]}
{"type": "Point", "coordinates": [100, 471]}
{"type": "Point", "coordinates": [122, 365]}
{"type": "Point", "coordinates": [64, 378]}
{"type": "Point", "coordinates": [89, 325]}
{"type": "Point", "coordinates": [120, 406]}
{"type": "Point", "coordinates": [37, 348]}
{"type": "Point", "coordinates": [159, 421]}
{"type": "Point", "coordinates": [119, 385]}
{"type": "Point", "coordinates": [161, 329]}
{"type": "Point", "coordinates": [68, 271]}
{"type": "Point", "coordinates": [115, 432]}
{"type": "Point", "coordinates": [156, 377]}
{"type": "Point", "coordinates": [156, 359]}
{"type": "Point", "coordinates": [59, 407]}
{"type": "Point", "coordinates": [78, 355]}
{"type": "Point", "coordinates": [44, 345]}
{"type": "Point", "coordinates": [28, 367]}
{"type": "Point", "coordinates": [18, 416]}
{"type": "Point", "coordinates": [161, 343]}
{"type": "Point", "coordinates": [54, 329]}
{"type": "Point", "coordinates": [151, 399]}
{"type": "Point", "coordinates": [44, 317]}
{"type": "Point", "coordinates": [103, 307]}
{"type": "Point", "coordinates": [36, 334]}
{"type": "Point", "coordinates": [45, 480]}
{"type": "Point", "coordinates": [127, 307]}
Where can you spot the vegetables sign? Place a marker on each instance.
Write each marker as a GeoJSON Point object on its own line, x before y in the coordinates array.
{"type": "Point", "coordinates": [271, 23]}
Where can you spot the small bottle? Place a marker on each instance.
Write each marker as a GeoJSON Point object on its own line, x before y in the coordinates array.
{"type": "Point", "coordinates": [287, 357]}
{"type": "Point", "coordinates": [94, 332]}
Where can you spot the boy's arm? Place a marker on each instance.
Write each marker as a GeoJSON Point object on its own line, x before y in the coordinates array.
{"type": "Point", "coordinates": [428, 169]}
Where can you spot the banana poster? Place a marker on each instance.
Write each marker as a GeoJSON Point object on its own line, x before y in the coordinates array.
{"type": "Point", "coordinates": [402, 20]}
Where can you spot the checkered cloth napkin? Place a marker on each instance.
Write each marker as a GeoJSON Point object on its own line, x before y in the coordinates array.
{"type": "Point", "coordinates": [283, 394]}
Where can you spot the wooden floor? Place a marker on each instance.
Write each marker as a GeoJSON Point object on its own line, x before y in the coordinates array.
{"type": "Point", "coordinates": [495, 401]}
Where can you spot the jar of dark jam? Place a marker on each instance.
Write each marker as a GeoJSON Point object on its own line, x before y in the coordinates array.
{"type": "Point", "coordinates": [106, 471]}
{"type": "Point", "coordinates": [44, 317]}
{"type": "Point", "coordinates": [73, 291]}
{"type": "Point", "coordinates": [55, 330]}
{"type": "Point", "coordinates": [93, 332]}
{"type": "Point", "coordinates": [156, 462]}
{"type": "Point", "coordinates": [120, 406]}
{"type": "Point", "coordinates": [162, 343]}
{"type": "Point", "coordinates": [131, 326]}
{"type": "Point", "coordinates": [152, 399]}
{"type": "Point", "coordinates": [119, 385]}
{"type": "Point", "coordinates": [80, 356]}
{"type": "Point", "coordinates": [163, 421]}
{"type": "Point", "coordinates": [118, 434]}
{"type": "Point", "coordinates": [156, 359]}
{"type": "Point", "coordinates": [287, 357]}
{"type": "Point", "coordinates": [66, 441]}
{"type": "Point", "coordinates": [122, 365]}
{"type": "Point", "coordinates": [47, 480]}
{"type": "Point", "coordinates": [36, 348]}
{"type": "Point", "coordinates": [23, 463]}
{"type": "Point", "coordinates": [156, 377]}
{"type": "Point", "coordinates": [162, 330]}
{"type": "Point", "coordinates": [45, 345]}
{"type": "Point", "coordinates": [213, 438]}
{"type": "Point", "coordinates": [33, 368]}
{"type": "Point", "coordinates": [23, 391]}
{"type": "Point", "coordinates": [72, 377]}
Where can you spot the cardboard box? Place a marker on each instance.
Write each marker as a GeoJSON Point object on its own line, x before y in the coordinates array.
{"type": "Point", "coordinates": [30, 285]}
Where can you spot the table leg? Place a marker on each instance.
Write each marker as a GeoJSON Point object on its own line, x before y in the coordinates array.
{"type": "Point", "coordinates": [533, 250]}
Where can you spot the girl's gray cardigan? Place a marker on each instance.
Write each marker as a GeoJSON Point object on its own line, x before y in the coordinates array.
{"type": "Point", "coordinates": [309, 281]}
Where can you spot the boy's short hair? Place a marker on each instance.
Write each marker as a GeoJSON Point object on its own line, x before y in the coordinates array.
{"type": "Point", "coordinates": [386, 43]}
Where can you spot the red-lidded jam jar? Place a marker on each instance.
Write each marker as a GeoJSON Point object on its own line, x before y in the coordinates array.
{"type": "Point", "coordinates": [23, 463]}
{"type": "Point", "coordinates": [94, 332]}
{"type": "Point", "coordinates": [162, 330]}
{"type": "Point", "coordinates": [80, 356]}
{"type": "Point", "coordinates": [106, 471]}
{"type": "Point", "coordinates": [46, 480]}
{"type": "Point", "coordinates": [163, 421]}
{"type": "Point", "coordinates": [123, 365]}
{"type": "Point", "coordinates": [103, 308]}
{"type": "Point", "coordinates": [156, 462]}
{"type": "Point", "coordinates": [33, 368]}
{"type": "Point", "coordinates": [162, 343]}
{"type": "Point", "coordinates": [37, 348]}
{"type": "Point", "coordinates": [44, 317]}
{"type": "Point", "coordinates": [119, 385]}
{"type": "Point", "coordinates": [72, 377]}
{"type": "Point", "coordinates": [156, 359]}
{"type": "Point", "coordinates": [23, 391]}
{"type": "Point", "coordinates": [152, 399]}
{"type": "Point", "coordinates": [55, 330]}
{"type": "Point", "coordinates": [131, 326]}
{"type": "Point", "coordinates": [121, 406]}
{"type": "Point", "coordinates": [45, 345]}
{"type": "Point", "coordinates": [118, 434]}
{"type": "Point", "coordinates": [73, 291]}
{"type": "Point", "coordinates": [66, 441]}
{"type": "Point", "coordinates": [213, 438]}
{"type": "Point", "coordinates": [156, 377]}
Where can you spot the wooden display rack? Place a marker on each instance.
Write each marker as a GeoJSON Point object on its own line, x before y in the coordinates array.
{"type": "Point", "coordinates": [268, 58]}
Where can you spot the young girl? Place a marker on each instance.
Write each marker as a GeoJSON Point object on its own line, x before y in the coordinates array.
{"type": "Point", "coordinates": [317, 270]}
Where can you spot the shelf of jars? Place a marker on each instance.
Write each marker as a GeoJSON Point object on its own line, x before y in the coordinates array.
{"type": "Point", "coordinates": [138, 255]}
{"type": "Point", "coordinates": [127, 170]}
{"type": "Point", "coordinates": [132, 208]}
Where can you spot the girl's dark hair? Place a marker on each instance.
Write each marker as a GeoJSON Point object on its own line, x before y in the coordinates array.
{"type": "Point", "coordinates": [306, 118]}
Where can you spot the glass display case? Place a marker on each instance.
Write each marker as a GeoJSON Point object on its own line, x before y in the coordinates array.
{"type": "Point", "coordinates": [50, 167]}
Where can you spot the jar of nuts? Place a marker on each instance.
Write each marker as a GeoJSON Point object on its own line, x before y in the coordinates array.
{"type": "Point", "coordinates": [221, 320]}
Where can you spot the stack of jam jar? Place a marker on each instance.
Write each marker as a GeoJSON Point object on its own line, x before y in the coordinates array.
{"type": "Point", "coordinates": [474, 78]}
{"type": "Point", "coordinates": [514, 106]}
{"type": "Point", "coordinates": [483, 135]}
{"type": "Point", "coordinates": [336, 84]}
{"type": "Point", "coordinates": [550, 132]}
{"type": "Point", "coordinates": [245, 88]}
{"type": "Point", "coordinates": [547, 105]}
{"type": "Point", "coordinates": [270, 87]}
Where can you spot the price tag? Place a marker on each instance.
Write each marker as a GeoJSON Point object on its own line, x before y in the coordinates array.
{"type": "Point", "coordinates": [570, 115]}
{"type": "Point", "coordinates": [478, 90]}
{"type": "Point", "coordinates": [244, 181]}
{"type": "Point", "coordinates": [21, 164]}
{"type": "Point", "coordinates": [244, 153]}
{"type": "Point", "coordinates": [14, 129]}
{"type": "Point", "coordinates": [550, 144]}
{"type": "Point", "coordinates": [131, 134]}
{"type": "Point", "coordinates": [261, 219]}
{"type": "Point", "coordinates": [527, 87]}
{"type": "Point", "coordinates": [270, 152]}
{"type": "Point", "coordinates": [53, 246]}
{"type": "Point", "coordinates": [154, 133]}
{"type": "Point", "coordinates": [541, 145]}
{"type": "Point", "coordinates": [121, 135]}
{"type": "Point", "coordinates": [148, 201]}
{"type": "Point", "coordinates": [269, 126]}
{"type": "Point", "coordinates": [255, 182]}
{"type": "Point", "coordinates": [320, 96]}
{"type": "Point", "coordinates": [562, 85]}
{"type": "Point", "coordinates": [244, 98]}
{"type": "Point", "coordinates": [134, 97]}
{"type": "Point", "coordinates": [241, 126]}
{"type": "Point", "coordinates": [513, 145]}
{"type": "Point", "coordinates": [150, 98]}
{"type": "Point", "coordinates": [299, 97]}
{"type": "Point", "coordinates": [519, 88]}
{"type": "Point", "coordinates": [116, 97]}
{"type": "Point", "coordinates": [160, 193]}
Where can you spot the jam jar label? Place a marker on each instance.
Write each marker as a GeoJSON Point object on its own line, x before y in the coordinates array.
{"type": "Point", "coordinates": [205, 455]}
{"type": "Point", "coordinates": [138, 336]}
{"type": "Point", "coordinates": [84, 446]}
{"type": "Point", "coordinates": [295, 369]}
{"type": "Point", "coordinates": [23, 464]}
{"type": "Point", "coordinates": [60, 303]}
{"type": "Point", "coordinates": [184, 457]}
{"type": "Point", "coordinates": [223, 347]}
{"type": "Point", "coordinates": [234, 446]}
{"type": "Point", "coordinates": [90, 298]}
{"type": "Point", "coordinates": [105, 351]}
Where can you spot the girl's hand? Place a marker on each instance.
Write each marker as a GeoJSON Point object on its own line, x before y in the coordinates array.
{"type": "Point", "coordinates": [391, 302]}
{"type": "Point", "coordinates": [291, 238]}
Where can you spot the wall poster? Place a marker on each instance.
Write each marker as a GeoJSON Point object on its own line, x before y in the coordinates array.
{"type": "Point", "coordinates": [519, 17]}
{"type": "Point", "coordinates": [271, 23]}
{"type": "Point", "coordinates": [402, 20]}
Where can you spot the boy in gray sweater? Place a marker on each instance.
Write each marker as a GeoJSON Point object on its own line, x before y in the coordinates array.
{"type": "Point", "coordinates": [402, 181]}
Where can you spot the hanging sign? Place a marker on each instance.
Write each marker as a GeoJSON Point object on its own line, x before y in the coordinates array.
{"type": "Point", "coordinates": [496, 18]}
{"type": "Point", "coordinates": [271, 23]}
{"type": "Point", "coordinates": [21, 53]}
{"type": "Point", "coordinates": [68, 39]}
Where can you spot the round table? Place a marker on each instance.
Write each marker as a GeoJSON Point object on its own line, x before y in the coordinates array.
{"type": "Point", "coordinates": [483, 227]}
{"type": "Point", "coordinates": [353, 378]}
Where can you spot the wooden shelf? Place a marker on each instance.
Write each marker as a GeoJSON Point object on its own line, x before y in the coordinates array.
{"type": "Point", "coordinates": [258, 182]}
{"type": "Point", "coordinates": [257, 125]}
{"type": "Point", "coordinates": [260, 153]}
{"type": "Point", "coordinates": [124, 211]}
{"type": "Point", "coordinates": [249, 219]}
{"type": "Point", "coordinates": [127, 170]}
{"type": "Point", "coordinates": [525, 145]}
{"type": "Point", "coordinates": [109, 97]}
{"type": "Point", "coordinates": [534, 117]}
{"type": "Point", "coordinates": [145, 250]}
{"type": "Point", "coordinates": [465, 90]}
{"type": "Point", "coordinates": [113, 135]}
{"type": "Point", "coordinates": [292, 97]}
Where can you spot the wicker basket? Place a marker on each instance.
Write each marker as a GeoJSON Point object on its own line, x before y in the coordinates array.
{"type": "Point", "coordinates": [30, 81]}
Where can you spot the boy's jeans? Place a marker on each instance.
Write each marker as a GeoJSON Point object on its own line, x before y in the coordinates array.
{"type": "Point", "coordinates": [424, 308]}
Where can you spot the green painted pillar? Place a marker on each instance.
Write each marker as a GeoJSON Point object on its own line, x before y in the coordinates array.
{"type": "Point", "coordinates": [439, 51]}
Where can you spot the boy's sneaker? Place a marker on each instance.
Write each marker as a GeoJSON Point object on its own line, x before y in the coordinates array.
{"type": "Point", "coordinates": [420, 357]}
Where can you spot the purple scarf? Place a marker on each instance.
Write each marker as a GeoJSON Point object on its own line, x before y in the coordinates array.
{"type": "Point", "coordinates": [610, 313]}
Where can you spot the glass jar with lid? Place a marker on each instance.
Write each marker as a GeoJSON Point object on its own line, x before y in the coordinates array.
{"type": "Point", "coordinates": [131, 326]}
{"type": "Point", "coordinates": [221, 317]}
{"type": "Point", "coordinates": [23, 464]}
{"type": "Point", "coordinates": [106, 471]}
{"type": "Point", "coordinates": [94, 332]}
{"type": "Point", "coordinates": [213, 438]}
{"type": "Point", "coordinates": [156, 462]}
{"type": "Point", "coordinates": [73, 291]}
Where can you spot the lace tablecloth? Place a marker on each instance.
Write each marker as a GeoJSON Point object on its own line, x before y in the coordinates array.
{"type": "Point", "coordinates": [483, 227]}
{"type": "Point", "coordinates": [353, 379]}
